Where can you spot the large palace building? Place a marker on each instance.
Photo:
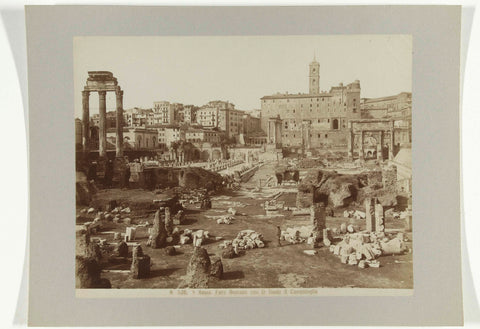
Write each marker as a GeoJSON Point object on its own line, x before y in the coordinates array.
{"type": "Point", "coordinates": [316, 119]}
{"type": "Point", "coordinates": [337, 120]}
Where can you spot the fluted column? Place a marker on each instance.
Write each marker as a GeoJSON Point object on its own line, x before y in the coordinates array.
{"type": "Point", "coordinates": [102, 108]}
{"type": "Point", "coordinates": [119, 139]}
{"type": "Point", "coordinates": [85, 120]}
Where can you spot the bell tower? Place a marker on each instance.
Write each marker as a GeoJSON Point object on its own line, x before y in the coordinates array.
{"type": "Point", "coordinates": [314, 77]}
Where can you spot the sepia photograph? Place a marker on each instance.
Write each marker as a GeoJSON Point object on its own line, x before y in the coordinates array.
{"type": "Point", "coordinates": [244, 165]}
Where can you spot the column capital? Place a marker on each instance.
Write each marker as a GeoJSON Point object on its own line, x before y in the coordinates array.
{"type": "Point", "coordinates": [119, 92]}
{"type": "Point", "coordinates": [85, 93]}
{"type": "Point", "coordinates": [102, 93]}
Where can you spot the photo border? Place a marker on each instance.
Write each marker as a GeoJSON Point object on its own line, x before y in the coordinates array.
{"type": "Point", "coordinates": [437, 298]}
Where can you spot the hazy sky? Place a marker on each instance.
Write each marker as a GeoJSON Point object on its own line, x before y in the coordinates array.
{"type": "Point", "coordinates": [240, 69]}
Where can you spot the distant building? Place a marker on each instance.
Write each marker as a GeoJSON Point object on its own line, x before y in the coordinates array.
{"type": "Point", "coordinates": [138, 117]}
{"type": "Point", "coordinates": [251, 124]}
{"type": "Point", "coordinates": [136, 138]}
{"type": "Point", "coordinates": [202, 135]}
{"type": "Point", "coordinates": [389, 103]}
{"type": "Point", "coordinates": [316, 119]}
{"type": "Point", "coordinates": [208, 116]}
{"type": "Point", "coordinates": [189, 114]}
{"type": "Point", "coordinates": [111, 119]}
{"type": "Point", "coordinates": [164, 112]}
{"type": "Point", "coordinates": [397, 107]}
{"type": "Point", "coordinates": [168, 134]}
{"type": "Point", "coordinates": [231, 122]}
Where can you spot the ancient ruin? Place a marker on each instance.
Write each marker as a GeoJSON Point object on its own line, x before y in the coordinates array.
{"type": "Point", "coordinates": [303, 198]}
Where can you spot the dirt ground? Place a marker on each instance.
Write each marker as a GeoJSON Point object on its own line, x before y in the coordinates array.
{"type": "Point", "coordinates": [274, 266]}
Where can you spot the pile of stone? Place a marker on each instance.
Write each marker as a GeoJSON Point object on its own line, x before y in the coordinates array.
{"type": "Point", "coordinates": [364, 248]}
{"type": "Point", "coordinates": [357, 214]}
{"type": "Point", "coordinates": [246, 239]}
{"type": "Point", "coordinates": [225, 220]}
{"type": "Point", "coordinates": [296, 235]}
{"type": "Point", "coordinates": [195, 237]}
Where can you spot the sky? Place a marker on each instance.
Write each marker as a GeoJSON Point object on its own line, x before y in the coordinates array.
{"type": "Point", "coordinates": [240, 69]}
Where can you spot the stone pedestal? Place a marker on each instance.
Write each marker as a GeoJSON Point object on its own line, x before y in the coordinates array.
{"type": "Point", "coordinates": [130, 234]}
{"type": "Point", "coordinates": [379, 218]}
{"type": "Point", "coordinates": [168, 221]}
{"type": "Point", "coordinates": [317, 218]}
{"type": "Point", "coordinates": [159, 235]}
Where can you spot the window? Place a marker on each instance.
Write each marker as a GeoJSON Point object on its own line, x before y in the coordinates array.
{"type": "Point", "coordinates": [326, 135]}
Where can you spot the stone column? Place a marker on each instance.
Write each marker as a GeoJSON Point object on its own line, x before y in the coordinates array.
{"type": "Point", "coordinates": [274, 132]}
{"type": "Point", "coordinates": [85, 120]}
{"type": "Point", "coordinates": [350, 144]}
{"type": "Point", "coordinates": [102, 147]}
{"type": "Point", "coordinates": [380, 146]}
{"type": "Point", "coordinates": [370, 214]}
{"type": "Point", "coordinates": [278, 132]}
{"type": "Point", "coordinates": [390, 149]}
{"type": "Point", "coordinates": [119, 127]}
{"type": "Point", "coordinates": [360, 151]}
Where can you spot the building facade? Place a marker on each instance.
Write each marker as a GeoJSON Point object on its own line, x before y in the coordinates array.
{"type": "Point", "coordinates": [202, 135]}
{"type": "Point", "coordinates": [317, 119]}
{"type": "Point", "coordinates": [136, 138]}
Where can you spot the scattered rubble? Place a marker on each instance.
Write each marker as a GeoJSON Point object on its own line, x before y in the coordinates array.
{"type": "Point", "coordinates": [225, 220]}
{"type": "Point", "coordinates": [248, 239]}
{"type": "Point", "coordinates": [363, 248]}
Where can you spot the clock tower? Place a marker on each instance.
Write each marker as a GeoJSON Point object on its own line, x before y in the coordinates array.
{"type": "Point", "coordinates": [314, 77]}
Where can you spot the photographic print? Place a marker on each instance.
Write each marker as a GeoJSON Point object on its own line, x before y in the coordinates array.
{"type": "Point", "coordinates": [244, 165]}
